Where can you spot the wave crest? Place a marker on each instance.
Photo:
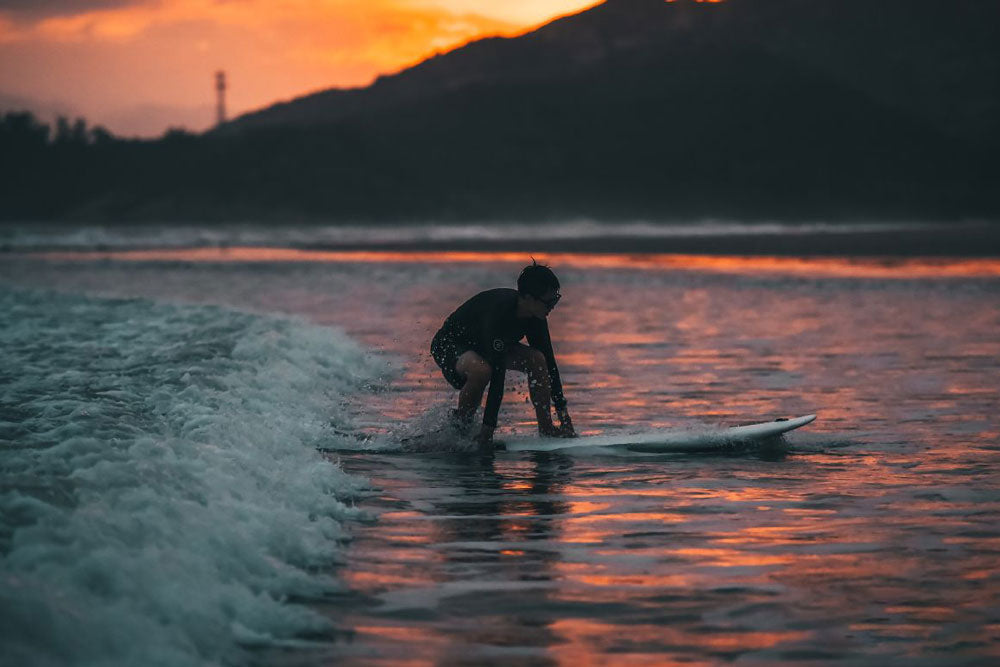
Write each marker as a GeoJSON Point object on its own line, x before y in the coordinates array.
{"type": "Point", "coordinates": [163, 498]}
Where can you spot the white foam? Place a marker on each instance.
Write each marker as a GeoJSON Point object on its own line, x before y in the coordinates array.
{"type": "Point", "coordinates": [162, 497]}
{"type": "Point", "coordinates": [91, 237]}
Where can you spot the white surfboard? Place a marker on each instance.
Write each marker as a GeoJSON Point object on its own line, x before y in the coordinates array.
{"type": "Point", "coordinates": [667, 440]}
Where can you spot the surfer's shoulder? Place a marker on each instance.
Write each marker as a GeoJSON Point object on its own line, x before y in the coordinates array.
{"type": "Point", "coordinates": [499, 296]}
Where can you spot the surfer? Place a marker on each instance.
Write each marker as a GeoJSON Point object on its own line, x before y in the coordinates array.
{"type": "Point", "coordinates": [481, 340]}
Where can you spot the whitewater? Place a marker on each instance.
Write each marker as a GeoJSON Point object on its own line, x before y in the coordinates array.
{"type": "Point", "coordinates": [163, 502]}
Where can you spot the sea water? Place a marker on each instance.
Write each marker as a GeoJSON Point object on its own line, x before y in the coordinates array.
{"type": "Point", "coordinates": [161, 497]}
{"type": "Point", "coordinates": [202, 464]}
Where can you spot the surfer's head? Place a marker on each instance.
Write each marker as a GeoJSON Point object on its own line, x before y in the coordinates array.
{"type": "Point", "coordinates": [539, 285]}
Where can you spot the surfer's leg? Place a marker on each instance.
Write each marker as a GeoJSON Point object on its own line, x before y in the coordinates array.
{"type": "Point", "coordinates": [531, 362]}
{"type": "Point", "coordinates": [477, 372]}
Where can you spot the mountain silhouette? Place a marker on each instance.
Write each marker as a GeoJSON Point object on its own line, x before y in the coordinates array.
{"type": "Point", "coordinates": [746, 109]}
{"type": "Point", "coordinates": [935, 60]}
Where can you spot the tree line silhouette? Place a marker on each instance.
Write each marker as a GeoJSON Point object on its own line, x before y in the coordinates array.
{"type": "Point", "coordinates": [464, 158]}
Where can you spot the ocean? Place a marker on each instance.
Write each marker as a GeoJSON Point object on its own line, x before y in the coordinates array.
{"type": "Point", "coordinates": [202, 455]}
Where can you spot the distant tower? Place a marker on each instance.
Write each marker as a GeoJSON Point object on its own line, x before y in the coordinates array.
{"type": "Point", "coordinates": [220, 97]}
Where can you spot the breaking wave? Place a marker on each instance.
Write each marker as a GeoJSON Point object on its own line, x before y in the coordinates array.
{"type": "Point", "coordinates": [162, 500]}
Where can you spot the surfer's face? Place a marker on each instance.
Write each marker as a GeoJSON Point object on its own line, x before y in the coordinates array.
{"type": "Point", "coordinates": [545, 303]}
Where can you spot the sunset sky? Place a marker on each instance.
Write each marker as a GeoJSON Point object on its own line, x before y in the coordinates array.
{"type": "Point", "coordinates": [140, 66]}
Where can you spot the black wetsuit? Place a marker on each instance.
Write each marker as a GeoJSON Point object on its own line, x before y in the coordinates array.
{"type": "Point", "coordinates": [488, 325]}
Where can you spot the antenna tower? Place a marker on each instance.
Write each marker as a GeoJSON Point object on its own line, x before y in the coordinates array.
{"type": "Point", "coordinates": [220, 97]}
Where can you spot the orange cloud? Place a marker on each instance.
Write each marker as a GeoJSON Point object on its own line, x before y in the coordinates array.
{"type": "Point", "coordinates": [389, 18]}
{"type": "Point", "coordinates": [114, 54]}
{"type": "Point", "coordinates": [381, 33]}
{"type": "Point", "coordinates": [7, 29]}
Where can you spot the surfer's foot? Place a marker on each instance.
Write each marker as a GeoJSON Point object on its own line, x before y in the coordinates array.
{"type": "Point", "coordinates": [459, 422]}
{"type": "Point", "coordinates": [484, 439]}
{"type": "Point", "coordinates": [552, 431]}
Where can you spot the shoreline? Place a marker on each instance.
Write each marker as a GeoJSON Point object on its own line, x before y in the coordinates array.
{"type": "Point", "coordinates": [938, 242]}
{"type": "Point", "coordinates": [961, 240]}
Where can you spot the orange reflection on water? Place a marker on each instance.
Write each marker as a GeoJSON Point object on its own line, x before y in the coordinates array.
{"type": "Point", "coordinates": [374, 580]}
{"type": "Point", "coordinates": [933, 614]}
{"type": "Point", "coordinates": [412, 539]}
{"type": "Point", "coordinates": [614, 584]}
{"type": "Point", "coordinates": [734, 558]}
{"type": "Point", "coordinates": [584, 636]}
{"type": "Point", "coordinates": [578, 507]}
{"type": "Point", "coordinates": [775, 535]}
{"type": "Point", "coordinates": [634, 580]}
{"type": "Point", "coordinates": [625, 337]}
{"type": "Point", "coordinates": [618, 517]}
{"type": "Point", "coordinates": [906, 268]}
{"type": "Point", "coordinates": [402, 633]}
{"type": "Point", "coordinates": [576, 359]}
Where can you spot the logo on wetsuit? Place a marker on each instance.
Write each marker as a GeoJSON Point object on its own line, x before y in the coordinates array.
{"type": "Point", "coordinates": [498, 345]}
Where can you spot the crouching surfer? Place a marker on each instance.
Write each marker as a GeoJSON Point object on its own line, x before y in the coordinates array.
{"type": "Point", "coordinates": [481, 340]}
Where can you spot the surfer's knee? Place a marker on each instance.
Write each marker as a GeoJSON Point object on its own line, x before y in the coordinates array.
{"type": "Point", "coordinates": [477, 370]}
{"type": "Point", "coordinates": [479, 374]}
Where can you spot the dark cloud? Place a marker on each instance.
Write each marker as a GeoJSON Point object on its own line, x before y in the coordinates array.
{"type": "Point", "coordinates": [61, 7]}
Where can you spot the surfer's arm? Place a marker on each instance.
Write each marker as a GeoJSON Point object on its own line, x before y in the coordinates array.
{"type": "Point", "coordinates": [540, 339]}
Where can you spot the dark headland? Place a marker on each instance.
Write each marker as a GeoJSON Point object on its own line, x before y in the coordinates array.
{"type": "Point", "coordinates": [832, 110]}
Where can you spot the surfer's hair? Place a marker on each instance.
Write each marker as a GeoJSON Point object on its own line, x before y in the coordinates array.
{"type": "Point", "coordinates": [536, 279]}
